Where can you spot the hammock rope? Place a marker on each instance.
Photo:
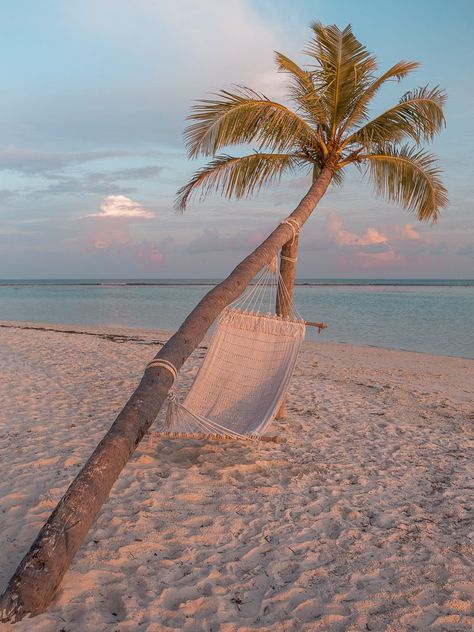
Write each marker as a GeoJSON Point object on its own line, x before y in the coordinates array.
{"type": "Point", "coordinates": [246, 372]}
{"type": "Point", "coordinates": [164, 364]}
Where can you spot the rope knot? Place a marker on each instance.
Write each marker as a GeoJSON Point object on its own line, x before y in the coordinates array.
{"type": "Point", "coordinates": [295, 227]}
{"type": "Point", "coordinates": [163, 364]}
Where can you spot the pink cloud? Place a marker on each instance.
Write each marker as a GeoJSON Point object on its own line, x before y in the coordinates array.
{"type": "Point", "coordinates": [100, 236]}
{"type": "Point", "coordinates": [148, 253]}
{"type": "Point", "coordinates": [408, 232]}
{"type": "Point", "coordinates": [345, 238]}
{"type": "Point", "coordinates": [400, 247]}
{"type": "Point", "coordinates": [371, 250]}
{"type": "Point", "coordinates": [145, 252]}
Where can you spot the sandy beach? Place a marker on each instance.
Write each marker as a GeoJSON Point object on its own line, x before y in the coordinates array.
{"type": "Point", "coordinates": [361, 519]}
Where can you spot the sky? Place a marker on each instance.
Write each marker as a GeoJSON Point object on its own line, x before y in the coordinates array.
{"type": "Point", "coordinates": [93, 104]}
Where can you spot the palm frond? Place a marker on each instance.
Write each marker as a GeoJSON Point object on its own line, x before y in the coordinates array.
{"type": "Point", "coordinates": [418, 115]}
{"type": "Point", "coordinates": [330, 127]}
{"type": "Point", "coordinates": [344, 68]}
{"type": "Point", "coordinates": [302, 90]}
{"type": "Point", "coordinates": [410, 177]}
{"type": "Point", "coordinates": [241, 117]}
{"type": "Point", "coordinates": [360, 110]}
{"type": "Point", "coordinates": [237, 176]}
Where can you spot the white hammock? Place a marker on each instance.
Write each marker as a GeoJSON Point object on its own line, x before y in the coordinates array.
{"type": "Point", "coordinates": [245, 374]}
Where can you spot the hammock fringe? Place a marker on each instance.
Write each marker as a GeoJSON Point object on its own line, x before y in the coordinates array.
{"type": "Point", "coordinates": [219, 437]}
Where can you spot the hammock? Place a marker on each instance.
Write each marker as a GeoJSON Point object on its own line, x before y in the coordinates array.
{"type": "Point", "coordinates": [245, 374]}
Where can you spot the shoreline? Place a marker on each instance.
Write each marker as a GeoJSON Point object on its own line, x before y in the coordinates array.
{"type": "Point", "coordinates": [118, 333]}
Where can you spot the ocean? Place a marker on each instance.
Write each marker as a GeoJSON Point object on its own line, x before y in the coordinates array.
{"type": "Point", "coordinates": [429, 316]}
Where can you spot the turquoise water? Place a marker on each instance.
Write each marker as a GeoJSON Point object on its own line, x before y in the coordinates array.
{"type": "Point", "coordinates": [428, 316]}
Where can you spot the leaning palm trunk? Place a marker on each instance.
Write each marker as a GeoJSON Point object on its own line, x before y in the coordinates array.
{"type": "Point", "coordinates": [37, 578]}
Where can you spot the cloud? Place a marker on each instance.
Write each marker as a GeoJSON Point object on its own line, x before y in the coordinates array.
{"type": "Point", "coordinates": [147, 253]}
{"type": "Point", "coordinates": [89, 183]}
{"type": "Point", "coordinates": [397, 247]}
{"type": "Point", "coordinates": [123, 248]}
{"type": "Point", "coordinates": [122, 207]}
{"type": "Point", "coordinates": [345, 238]}
{"type": "Point", "coordinates": [133, 173]}
{"type": "Point", "coordinates": [53, 168]}
{"type": "Point", "coordinates": [410, 242]}
{"type": "Point", "coordinates": [101, 182]}
{"type": "Point", "coordinates": [32, 162]}
{"type": "Point", "coordinates": [408, 232]}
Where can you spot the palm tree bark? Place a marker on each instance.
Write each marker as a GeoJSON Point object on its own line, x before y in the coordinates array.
{"type": "Point", "coordinates": [38, 576]}
{"type": "Point", "coordinates": [286, 286]}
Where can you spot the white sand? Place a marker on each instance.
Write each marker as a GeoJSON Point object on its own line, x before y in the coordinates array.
{"type": "Point", "coordinates": [362, 520]}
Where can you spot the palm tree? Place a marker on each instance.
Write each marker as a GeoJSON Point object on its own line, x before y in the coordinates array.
{"type": "Point", "coordinates": [329, 131]}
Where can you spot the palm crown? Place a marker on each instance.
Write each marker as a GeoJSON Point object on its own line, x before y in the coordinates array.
{"type": "Point", "coordinates": [330, 127]}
